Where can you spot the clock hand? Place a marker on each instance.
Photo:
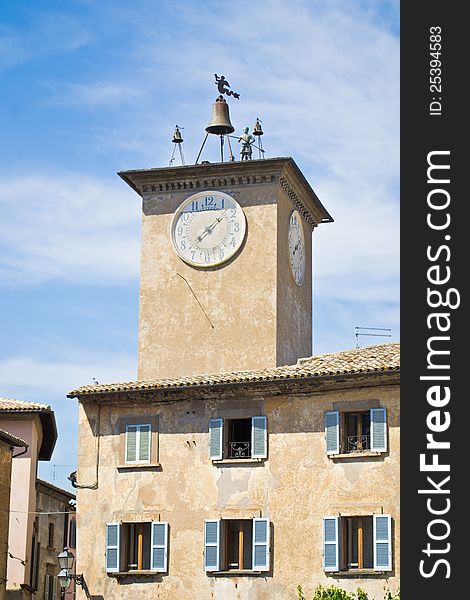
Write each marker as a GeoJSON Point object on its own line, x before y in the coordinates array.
{"type": "Point", "coordinates": [209, 228]}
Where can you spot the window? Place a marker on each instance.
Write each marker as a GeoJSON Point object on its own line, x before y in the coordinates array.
{"type": "Point", "coordinates": [138, 443]}
{"type": "Point", "coordinates": [356, 432]}
{"type": "Point", "coordinates": [238, 439]}
{"type": "Point", "coordinates": [50, 539]}
{"type": "Point", "coordinates": [357, 543]}
{"type": "Point", "coordinates": [50, 587]}
{"type": "Point", "coordinates": [141, 546]}
{"type": "Point", "coordinates": [72, 534]}
{"type": "Point", "coordinates": [236, 545]}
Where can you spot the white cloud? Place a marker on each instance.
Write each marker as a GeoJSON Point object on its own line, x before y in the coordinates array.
{"type": "Point", "coordinates": [96, 94]}
{"type": "Point", "coordinates": [69, 227]}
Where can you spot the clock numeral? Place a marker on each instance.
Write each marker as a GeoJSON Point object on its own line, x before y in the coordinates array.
{"type": "Point", "coordinates": [183, 244]}
{"type": "Point", "coordinates": [179, 230]}
{"type": "Point", "coordinates": [194, 205]}
{"type": "Point", "coordinates": [209, 200]}
{"type": "Point", "coordinates": [221, 255]}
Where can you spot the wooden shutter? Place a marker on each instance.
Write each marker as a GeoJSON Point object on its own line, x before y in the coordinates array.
{"type": "Point", "coordinates": [47, 587]}
{"type": "Point", "coordinates": [332, 432]}
{"type": "Point", "coordinates": [144, 443]}
{"type": "Point", "coordinates": [331, 544]}
{"type": "Point", "coordinates": [159, 553]}
{"type": "Point", "coordinates": [131, 443]}
{"type": "Point", "coordinates": [112, 547]}
{"type": "Point", "coordinates": [378, 429]}
{"type": "Point", "coordinates": [260, 544]}
{"type": "Point", "coordinates": [212, 545]}
{"type": "Point", "coordinates": [259, 439]}
{"type": "Point", "coordinates": [382, 543]}
{"type": "Point", "coordinates": [216, 428]}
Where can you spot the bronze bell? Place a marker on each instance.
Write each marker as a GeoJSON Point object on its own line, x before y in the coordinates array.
{"type": "Point", "coordinates": [257, 128]}
{"type": "Point", "coordinates": [177, 138]}
{"type": "Point", "coordinates": [220, 122]}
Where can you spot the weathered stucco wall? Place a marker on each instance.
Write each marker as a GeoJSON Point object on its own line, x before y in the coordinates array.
{"type": "Point", "coordinates": [295, 488]}
{"type": "Point", "coordinates": [5, 479]}
{"type": "Point", "coordinates": [239, 298]}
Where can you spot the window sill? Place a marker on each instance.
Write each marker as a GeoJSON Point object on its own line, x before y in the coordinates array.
{"type": "Point", "coordinates": [356, 573]}
{"type": "Point", "coordinates": [236, 573]}
{"type": "Point", "coordinates": [139, 467]}
{"type": "Point", "coordinates": [234, 461]}
{"type": "Point", "coordinates": [368, 454]}
{"type": "Point", "coordinates": [121, 574]}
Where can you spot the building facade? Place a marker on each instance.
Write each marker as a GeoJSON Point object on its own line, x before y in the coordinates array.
{"type": "Point", "coordinates": [8, 445]}
{"type": "Point", "coordinates": [35, 424]}
{"type": "Point", "coordinates": [53, 531]}
{"type": "Point", "coordinates": [243, 486]}
{"type": "Point", "coordinates": [221, 473]}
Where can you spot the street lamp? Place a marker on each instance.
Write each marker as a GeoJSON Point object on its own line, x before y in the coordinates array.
{"type": "Point", "coordinates": [66, 559]}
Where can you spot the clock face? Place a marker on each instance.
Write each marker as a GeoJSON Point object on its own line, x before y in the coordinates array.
{"type": "Point", "coordinates": [296, 247]}
{"type": "Point", "coordinates": [208, 229]}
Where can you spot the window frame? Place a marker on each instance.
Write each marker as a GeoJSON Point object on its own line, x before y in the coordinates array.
{"type": "Point", "coordinates": [218, 439]}
{"type": "Point", "coordinates": [336, 432]}
{"type": "Point", "coordinates": [122, 424]}
{"type": "Point", "coordinates": [341, 551]}
{"type": "Point", "coordinates": [221, 541]}
{"type": "Point", "coordinates": [138, 429]}
{"type": "Point", "coordinates": [122, 548]}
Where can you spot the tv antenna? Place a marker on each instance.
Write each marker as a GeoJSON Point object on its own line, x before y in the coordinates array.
{"type": "Point", "coordinates": [366, 331]}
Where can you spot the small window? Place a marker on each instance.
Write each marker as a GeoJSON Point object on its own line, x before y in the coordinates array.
{"type": "Point", "coordinates": [357, 543]}
{"type": "Point", "coordinates": [356, 432]}
{"type": "Point", "coordinates": [238, 439]}
{"type": "Point", "coordinates": [72, 534]}
{"type": "Point", "coordinates": [50, 539]}
{"type": "Point", "coordinates": [140, 546]}
{"type": "Point", "coordinates": [138, 439]}
{"type": "Point", "coordinates": [50, 587]}
{"type": "Point", "coordinates": [236, 545]}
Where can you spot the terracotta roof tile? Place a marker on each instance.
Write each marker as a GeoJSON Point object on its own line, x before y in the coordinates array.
{"type": "Point", "coordinates": [385, 357]}
{"type": "Point", "coordinates": [7, 404]}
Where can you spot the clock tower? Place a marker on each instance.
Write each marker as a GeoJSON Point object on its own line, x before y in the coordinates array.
{"type": "Point", "coordinates": [226, 266]}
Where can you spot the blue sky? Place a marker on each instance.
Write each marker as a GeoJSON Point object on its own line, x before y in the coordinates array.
{"type": "Point", "coordinates": [92, 87]}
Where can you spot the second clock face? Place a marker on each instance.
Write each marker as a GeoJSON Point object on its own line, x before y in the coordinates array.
{"type": "Point", "coordinates": [296, 247]}
{"type": "Point", "coordinates": [208, 228]}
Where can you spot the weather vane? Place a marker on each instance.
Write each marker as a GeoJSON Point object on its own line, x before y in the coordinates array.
{"type": "Point", "coordinates": [223, 86]}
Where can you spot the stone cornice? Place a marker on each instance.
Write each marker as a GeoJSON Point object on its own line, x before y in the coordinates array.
{"type": "Point", "coordinates": [281, 171]}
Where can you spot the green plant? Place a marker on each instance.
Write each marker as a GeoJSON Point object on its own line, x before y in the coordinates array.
{"type": "Point", "coordinates": [300, 593]}
{"type": "Point", "coordinates": [390, 596]}
{"type": "Point", "coordinates": [332, 593]}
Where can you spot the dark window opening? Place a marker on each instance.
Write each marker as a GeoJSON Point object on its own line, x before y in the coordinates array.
{"type": "Point", "coordinates": [73, 534]}
{"type": "Point", "coordinates": [136, 539]}
{"type": "Point", "coordinates": [358, 543]}
{"type": "Point", "coordinates": [238, 546]}
{"type": "Point", "coordinates": [356, 432]}
{"type": "Point", "coordinates": [50, 539]}
{"type": "Point", "coordinates": [238, 438]}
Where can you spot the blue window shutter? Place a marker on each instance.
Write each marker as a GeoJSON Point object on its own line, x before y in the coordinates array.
{"type": "Point", "coordinates": [261, 539]}
{"type": "Point", "coordinates": [212, 544]}
{"type": "Point", "coordinates": [332, 432]}
{"type": "Point", "coordinates": [382, 543]}
{"type": "Point", "coordinates": [131, 443]}
{"type": "Point", "coordinates": [259, 439]}
{"type": "Point", "coordinates": [331, 544]}
{"type": "Point", "coordinates": [216, 427]}
{"type": "Point", "coordinates": [112, 547]}
{"type": "Point", "coordinates": [378, 429]}
{"type": "Point", "coordinates": [159, 554]}
{"type": "Point", "coordinates": [144, 443]}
